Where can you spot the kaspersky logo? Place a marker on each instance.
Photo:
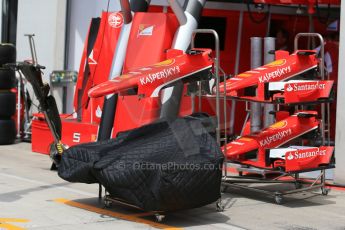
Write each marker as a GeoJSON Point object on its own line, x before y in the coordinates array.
{"type": "Point", "coordinates": [277, 137]}
{"type": "Point", "coordinates": [278, 73]}
{"type": "Point", "coordinates": [165, 73]}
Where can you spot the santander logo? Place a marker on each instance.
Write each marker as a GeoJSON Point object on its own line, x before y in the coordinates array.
{"type": "Point", "coordinates": [289, 88]}
{"type": "Point", "coordinates": [306, 153]}
{"type": "Point", "coordinates": [290, 157]}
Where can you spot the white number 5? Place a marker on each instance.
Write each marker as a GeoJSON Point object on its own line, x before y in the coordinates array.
{"type": "Point", "coordinates": [76, 137]}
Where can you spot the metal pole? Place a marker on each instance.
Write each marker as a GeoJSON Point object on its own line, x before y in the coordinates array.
{"type": "Point", "coordinates": [32, 48]}
{"type": "Point", "coordinates": [311, 40]}
{"type": "Point", "coordinates": [322, 73]}
{"type": "Point", "coordinates": [255, 61]}
{"type": "Point", "coordinates": [269, 46]}
{"type": "Point", "coordinates": [322, 50]}
{"type": "Point", "coordinates": [216, 69]}
{"type": "Point", "coordinates": [19, 103]}
{"type": "Point", "coordinates": [237, 63]}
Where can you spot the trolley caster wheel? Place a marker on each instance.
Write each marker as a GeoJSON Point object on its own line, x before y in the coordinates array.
{"type": "Point", "coordinates": [223, 188]}
{"type": "Point", "coordinates": [159, 218]}
{"type": "Point", "coordinates": [324, 191]}
{"type": "Point", "coordinates": [108, 204]}
{"type": "Point", "coordinates": [220, 207]}
{"type": "Point", "coordinates": [278, 199]}
{"type": "Point", "coordinates": [298, 185]}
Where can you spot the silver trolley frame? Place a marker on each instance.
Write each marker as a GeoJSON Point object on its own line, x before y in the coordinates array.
{"type": "Point", "coordinates": [310, 185]}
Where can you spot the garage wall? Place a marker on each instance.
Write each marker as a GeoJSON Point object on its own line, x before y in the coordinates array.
{"type": "Point", "coordinates": [81, 12]}
{"type": "Point", "coordinates": [45, 19]}
{"type": "Point", "coordinates": [339, 173]}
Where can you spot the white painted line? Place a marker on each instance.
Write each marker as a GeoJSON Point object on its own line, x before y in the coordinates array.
{"type": "Point", "coordinates": [48, 185]}
{"type": "Point", "coordinates": [226, 226]}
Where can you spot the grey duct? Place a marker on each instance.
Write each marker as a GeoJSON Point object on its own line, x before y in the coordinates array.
{"type": "Point", "coordinates": [126, 11]}
{"type": "Point", "coordinates": [140, 5]}
{"type": "Point", "coordinates": [178, 11]}
{"type": "Point", "coordinates": [237, 63]}
{"type": "Point", "coordinates": [171, 97]}
{"type": "Point", "coordinates": [269, 46]}
{"type": "Point", "coordinates": [255, 61]}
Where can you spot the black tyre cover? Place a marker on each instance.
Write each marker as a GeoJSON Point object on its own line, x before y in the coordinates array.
{"type": "Point", "coordinates": [7, 53]}
{"type": "Point", "coordinates": [7, 104]}
{"type": "Point", "coordinates": [165, 166]}
{"type": "Point", "coordinates": [7, 132]}
{"type": "Point", "coordinates": [7, 78]}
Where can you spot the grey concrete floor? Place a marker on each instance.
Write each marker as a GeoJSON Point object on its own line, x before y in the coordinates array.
{"type": "Point", "coordinates": [33, 197]}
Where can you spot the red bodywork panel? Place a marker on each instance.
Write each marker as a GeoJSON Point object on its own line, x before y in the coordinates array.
{"type": "Point", "coordinates": [309, 158]}
{"type": "Point", "coordinates": [279, 70]}
{"type": "Point", "coordinates": [141, 111]}
{"type": "Point", "coordinates": [151, 35]}
{"type": "Point", "coordinates": [100, 61]}
{"type": "Point", "coordinates": [272, 137]}
{"type": "Point", "coordinates": [75, 132]}
{"type": "Point", "coordinates": [150, 80]}
{"type": "Point", "coordinates": [41, 136]}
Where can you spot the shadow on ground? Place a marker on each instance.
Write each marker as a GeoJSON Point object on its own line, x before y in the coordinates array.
{"type": "Point", "coordinates": [207, 215]}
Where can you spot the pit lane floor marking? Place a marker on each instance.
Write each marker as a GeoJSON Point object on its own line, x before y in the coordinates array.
{"type": "Point", "coordinates": [4, 223]}
{"type": "Point", "coordinates": [132, 218]}
{"type": "Point", "coordinates": [47, 185]}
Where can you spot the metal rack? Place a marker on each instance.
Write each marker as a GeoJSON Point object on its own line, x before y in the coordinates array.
{"type": "Point", "coordinates": [21, 86]}
{"type": "Point", "coordinates": [216, 77]}
{"type": "Point", "coordinates": [318, 183]}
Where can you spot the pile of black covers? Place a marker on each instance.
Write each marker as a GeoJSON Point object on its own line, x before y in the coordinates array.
{"type": "Point", "coordinates": [165, 166]}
